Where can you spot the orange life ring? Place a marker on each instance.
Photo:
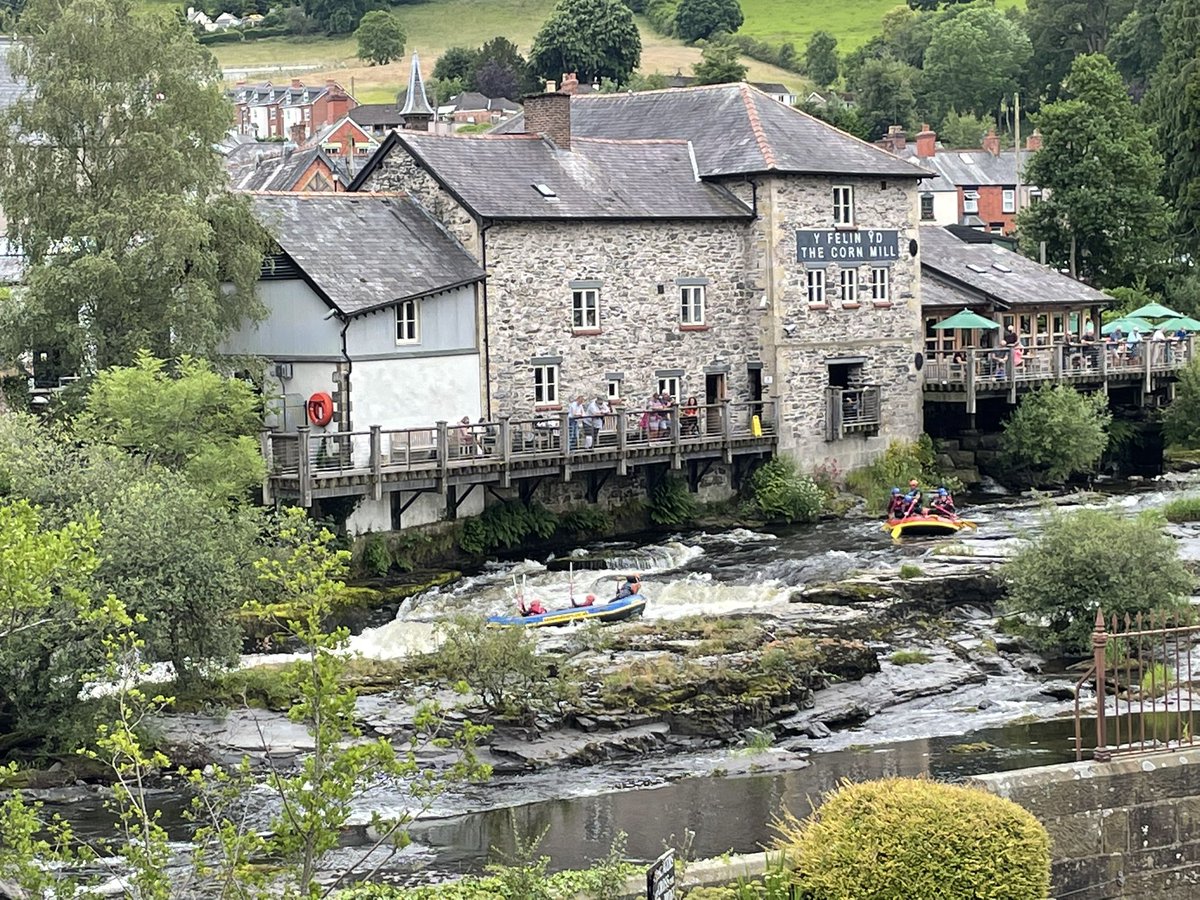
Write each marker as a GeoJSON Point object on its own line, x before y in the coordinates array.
{"type": "Point", "coordinates": [319, 408]}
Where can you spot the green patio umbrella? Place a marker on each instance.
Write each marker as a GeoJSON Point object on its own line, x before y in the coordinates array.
{"type": "Point", "coordinates": [1127, 324]}
{"type": "Point", "coordinates": [967, 320]}
{"type": "Point", "coordinates": [1154, 311]}
{"type": "Point", "coordinates": [1187, 323]}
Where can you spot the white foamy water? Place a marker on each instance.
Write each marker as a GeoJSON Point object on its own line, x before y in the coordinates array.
{"type": "Point", "coordinates": [699, 594]}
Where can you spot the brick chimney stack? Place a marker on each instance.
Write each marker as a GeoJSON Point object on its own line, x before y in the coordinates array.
{"type": "Point", "coordinates": [297, 84]}
{"type": "Point", "coordinates": [1033, 143]}
{"type": "Point", "coordinates": [549, 115]}
{"type": "Point", "coordinates": [896, 140]}
{"type": "Point", "coordinates": [926, 142]}
{"type": "Point", "coordinates": [991, 143]}
{"type": "Point", "coordinates": [570, 83]}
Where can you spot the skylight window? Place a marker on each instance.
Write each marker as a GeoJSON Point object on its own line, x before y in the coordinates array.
{"type": "Point", "coordinates": [1001, 267]}
{"type": "Point", "coordinates": [974, 268]}
{"type": "Point", "coordinates": [546, 191]}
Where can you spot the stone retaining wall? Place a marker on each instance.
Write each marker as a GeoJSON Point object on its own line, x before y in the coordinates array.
{"type": "Point", "coordinates": [1129, 828]}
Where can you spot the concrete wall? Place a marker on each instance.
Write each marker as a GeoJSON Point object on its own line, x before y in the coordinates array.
{"type": "Point", "coordinates": [1129, 828]}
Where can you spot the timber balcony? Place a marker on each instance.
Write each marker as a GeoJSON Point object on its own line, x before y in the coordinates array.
{"type": "Point", "coordinates": [304, 465]}
{"type": "Point", "coordinates": [964, 376]}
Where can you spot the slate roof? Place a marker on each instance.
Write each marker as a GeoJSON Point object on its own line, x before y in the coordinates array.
{"type": "Point", "coordinates": [365, 251]}
{"type": "Point", "coordinates": [470, 101]}
{"type": "Point", "coordinates": [976, 273]}
{"type": "Point", "coordinates": [269, 166]}
{"type": "Point", "coordinates": [267, 94]}
{"type": "Point", "coordinates": [735, 129]}
{"type": "Point", "coordinates": [495, 177]}
{"type": "Point", "coordinates": [971, 167]}
{"type": "Point", "coordinates": [382, 114]}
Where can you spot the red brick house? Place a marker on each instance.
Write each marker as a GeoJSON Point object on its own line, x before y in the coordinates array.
{"type": "Point", "coordinates": [294, 112]}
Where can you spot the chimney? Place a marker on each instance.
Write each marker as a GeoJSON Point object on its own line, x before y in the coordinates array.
{"type": "Point", "coordinates": [895, 140]}
{"type": "Point", "coordinates": [570, 83]}
{"type": "Point", "coordinates": [549, 115]}
{"type": "Point", "coordinates": [297, 134]}
{"type": "Point", "coordinates": [991, 143]}
{"type": "Point", "coordinates": [1033, 143]}
{"type": "Point", "coordinates": [926, 142]}
{"type": "Point", "coordinates": [297, 84]}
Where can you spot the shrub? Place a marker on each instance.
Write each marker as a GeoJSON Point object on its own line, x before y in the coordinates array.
{"type": "Point", "coordinates": [902, 838]}
{"type": "Point", "coordinates": [901, 461]}
{"type": "Point", "coordinates": [506, 524]}
{"type": "Point", "coordinates": [1185, 509]}
{"type": "Point", "coordinates": [671, 504]}
{"type": "Point", "coordinates": [909, 658]}
{"type": "Point", "coordinates": [501, 665]}
{"type": "Point", "coordinates": [1055, 432]}
{"type": "Point", "coordinates": [585, 520]}
{"type": "Point", "coordinates": [908, 570]}
{"type": "Point", "coordinates": [376, 558]}
{"type": "Point", "coordinates": [781, 494]}
{"type": "Point", "coordinates": [1092, 558]}
{"type": "Point", "coordinates": [1181, 420]}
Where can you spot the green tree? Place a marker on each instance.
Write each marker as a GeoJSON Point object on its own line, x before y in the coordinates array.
{"type": "Point", "coordinates": [380, 38]}
{"type": "Point", "coordinates": [191, 420]}
{"type": "Point", "coordinates": [1174, 106]}
{"type": "Point", "coordinates": [119, 203]}
{"type": "Point", "coordinates": [782, 494]}
{"type": "Point", "coordinates": [456, 62]}
{"type": "Point", "coordinates": [593, 38]}
{"type": "Point", "coordinates": [339, 16]}
{"type": "Point", "coordinates": [1054, 433]}
{"type": "Point", "coordinates": [1102, 216]}
{"type": "Point", "coordinates": [886, 92]}
{"type": "Point", "coordinates": [839, 114]}
{"type": "Point", "coordinates": [500, 70]}
{"type": "Point", "coordinates": [1061, 30]}
{"type": "Point", "coordinates": [1092, 558]}
{"type": "Point", "coordinates": [821, 58]}
{"type": "Point", "coordinates": [963, 129]}
{"type": "Point", "coordinates": [699, 19]}
{"type": "Point", "coordinates": [974, 61]}
{"type": "Point", "coordinates": [1136, 47]}
{"type": "Point", "coordinates": [1181, 421]}
{"type": "Point", "coordinates": [720, 63]}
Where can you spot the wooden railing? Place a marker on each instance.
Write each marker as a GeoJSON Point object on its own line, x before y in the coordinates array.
{"type": "Point", "coordinates": [494, 450]}
{"type": "Point", "coordinates": [851, 411]}
{"type": "Point", "coordinates": [975, 371]}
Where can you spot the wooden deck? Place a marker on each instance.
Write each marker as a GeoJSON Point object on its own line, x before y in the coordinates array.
{"type": "Point", "coordinates": [304, 465]}
{"type": "Point", "coordinates": [964, 376]}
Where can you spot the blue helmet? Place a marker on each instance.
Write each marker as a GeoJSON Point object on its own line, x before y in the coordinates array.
{"type": "Point", "coordinates": [942, 492]}
{"type": "Point", "coordinates": [895, 491]}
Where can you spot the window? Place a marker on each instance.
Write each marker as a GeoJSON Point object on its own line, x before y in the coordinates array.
{"type": "Point", "coordinates": [1009, 200]}
{"type": "Point", "coordinates": [843, 205]}
{"type": "Point", "coordinates": [585, 309]}
{"type": "Point", "coordinates": [691, 304]}
{"type": "Point", "coordinates": [545, 384]}
{"type": "Point", "coordinates": [927, 207]}
{"type": "Point", "coordinates": [614, 390]}
{"type": "Point", "coordinates": [669, 384]}
{"type": "Point", "coordinates": [816, 285]}
{"type": "Point", "coordinates": [407, 322]}
{"type": "Point", "coordinates": [970, 202]}
{"type": "Point", "coordinates": [881, 277]}
{"type": "Point", "coordinates": [849, 279]}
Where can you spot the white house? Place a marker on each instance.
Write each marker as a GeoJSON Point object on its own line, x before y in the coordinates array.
{"type": "Point", "coordinates": [370, 301]}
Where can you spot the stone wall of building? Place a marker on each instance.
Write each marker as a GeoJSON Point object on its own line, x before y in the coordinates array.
{"type": "Point", "coordinates": [636, 265]}
{"type": "Point", "coordinates": [1129, 828]}
{"type": "Point", "coordinates": [399, 172]}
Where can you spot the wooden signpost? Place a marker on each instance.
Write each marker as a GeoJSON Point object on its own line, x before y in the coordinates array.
{"type": "Point", "coordinates": [660, 878]}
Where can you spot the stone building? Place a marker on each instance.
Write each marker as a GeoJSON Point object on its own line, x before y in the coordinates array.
{"type": "Point", "coordinates": [707, 241]}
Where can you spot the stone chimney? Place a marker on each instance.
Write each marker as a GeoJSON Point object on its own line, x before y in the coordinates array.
{"type": "Point", "coordinates": [1033, 143]}
{"type": "Point", "coordinates": [549, 115]}
{"type": "Point", "coordinates": [926, 142]}
{"type": "Point", "coordinates": [570, 83]}
{"type": "Point", "coordinates": [991, 142]}
{"type": "Point", "coordinates": [895, 140]}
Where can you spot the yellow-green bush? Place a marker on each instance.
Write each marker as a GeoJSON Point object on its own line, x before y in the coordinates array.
{"type": "Point", "coordinates": [904, 838]}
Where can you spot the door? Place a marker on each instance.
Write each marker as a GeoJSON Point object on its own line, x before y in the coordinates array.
{"type": "Point", "coordinates": [714, 395]}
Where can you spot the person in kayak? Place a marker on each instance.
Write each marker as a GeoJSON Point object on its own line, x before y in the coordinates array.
{"type": "Point", "coordinates": [632, 585]}
{"type": "Point", "coordinates": [586, 601]}
{"type": "Point", "coordinates": [943, 504]}
{"type": "Point", "coordinates": [533, 609]}
{"type": "Point", "coordinates": [895, 507]}
{"type": "Point", "coordinates": [912, 500]}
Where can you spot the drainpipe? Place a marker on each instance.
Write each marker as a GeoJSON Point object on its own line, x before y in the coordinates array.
{"type": "Point", "coordinates": [487, 346]}
{"type": "Point", "coordinates": [349, 364]}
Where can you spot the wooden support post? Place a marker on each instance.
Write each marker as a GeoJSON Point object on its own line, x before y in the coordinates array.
{"type": "Point", "coordinates": [676, 459]}
{"type": "Point", "coordinates": [564, 441]}
{"type": "Point", "coordinates": [1148, 349]}
{"type": "Point", "coordinates": [727, 429]}
{"type": "Point", "coordinates": [443, 453]}
{"type": "Point", "coordinates": [1103, 356]}
{"type": "Point", "coordinates": [304, 469]}
{"type": "Point", "coordinates": [376, 463]}
{"type": "Point", "coordinates": [505, 452]}
{"type": "Point", "coordinates": [1012, 374]}
{"type": "Point", "coordinates": [971, 361]}
{"type": "Point", "coordinates": [1056, 361]}
{"type": "Point", "coordinates": [622, 458]}
{"type": "Point", "coordinates": [269, 463]}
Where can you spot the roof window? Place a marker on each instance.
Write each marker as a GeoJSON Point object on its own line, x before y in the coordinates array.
{"type": "Point", "coordinates": [974, 268]}
{"type": "Point", "coordinates": [546, 191]}
{"type": "Point", "coordinates": [1001, 267]}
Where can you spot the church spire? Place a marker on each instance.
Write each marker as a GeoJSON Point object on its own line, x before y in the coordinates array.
{"type": "Point", "coordinates": [417, 113]}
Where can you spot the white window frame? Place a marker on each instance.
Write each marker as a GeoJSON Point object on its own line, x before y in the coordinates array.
{"type": "Point", "coordinates": [545, 384]}
{"type": "Point", "coordinates": [408, 322]}
{"type": "Point", "coordinates": [585, 309]}
{"type": "Point", "coordinates": [670, 384]}
{"type": "Point", "coordinates": [1008, 201]}
{"type": "Point", "coordinates": [614, 390]}
{"type": "Point", "coordinates": [881, 284]}
{"type": "Point", "coordinates": [848, 279]}
{"type": "Point", "coordinates": [815, 281]}
{"type": "Point", "coordinates": [931, 200]}
{"type": "Point", "coordinates": [843, 205]}
{"type": "Point", "coordinates": [971, 203]}
{"type": "Point", "coordinates": [691, 304]}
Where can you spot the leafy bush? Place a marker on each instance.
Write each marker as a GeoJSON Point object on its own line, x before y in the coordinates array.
{"type": "Point", "coordinates": [782, 494]}
{"type": "Point", "coordinates": [783, 56]}
{"type": "Point", "coordinates": [585, 520]}
{"type": "Point", "coordinates": [376, 558]}
{"type": "Point", "coordinates": [1054, 433]}
{"type": "Point", "coordinates": [506, 524]}
{"type": "Point", "coordinates": [1087, 559]}
{"type": "Point", "coordinates": [902, 838]}
{"type": "Point", "coordinates": [908, 570]}
{"type": "Point", "coordinates": [1185, 509]}
{"type": "Point", "coordinates": [901, 461]}
{"type": "Point", "coordinates": [671, 504]}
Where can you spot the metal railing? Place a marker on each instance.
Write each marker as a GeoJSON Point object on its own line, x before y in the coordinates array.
{"type": "Point", "coordinates": [854, 410]}
{"type": "Point", "coordinates": [1142, 669]}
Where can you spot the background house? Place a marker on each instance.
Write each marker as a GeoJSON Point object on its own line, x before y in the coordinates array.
{"type": "Point", "coordinates": [294, 112]}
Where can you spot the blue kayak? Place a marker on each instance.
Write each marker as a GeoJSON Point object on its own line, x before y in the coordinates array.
{"type": "Point", "coordinates": [614, 611]}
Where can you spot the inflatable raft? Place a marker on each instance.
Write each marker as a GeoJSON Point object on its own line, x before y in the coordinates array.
{"type": "Point", "coordinates": [614, 611]}
{"type": "Point", "coordinates": [925, 526]}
